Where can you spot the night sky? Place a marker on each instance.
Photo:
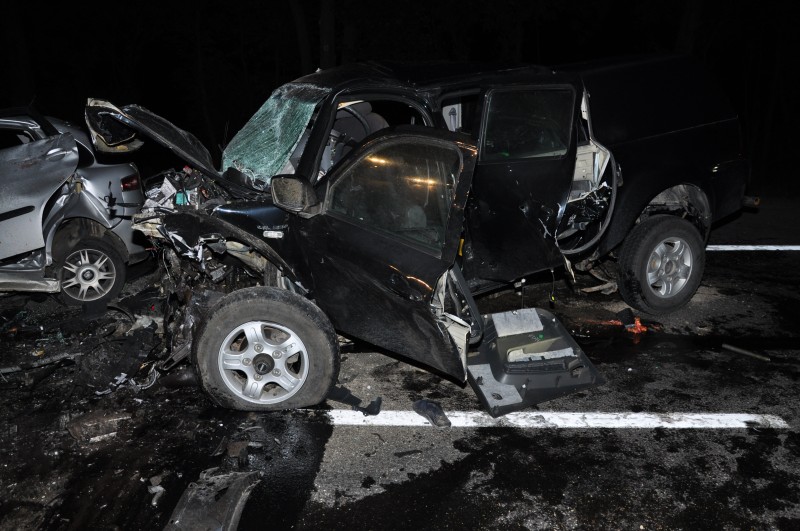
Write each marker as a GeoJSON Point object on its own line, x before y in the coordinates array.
{"type": "Point", "coordinates": [207, 66]}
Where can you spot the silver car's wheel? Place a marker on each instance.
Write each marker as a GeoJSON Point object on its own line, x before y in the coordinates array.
{"type": "Point", "coordinates": [661, 264]}
{"type": "Point", "coordinates": [669, 267]}
{"type": "Point", "coordinates": [92, 271]}
{"type": "Point", "coordinates": [263, 362]}
{"type": "Point", "coordinates": [266, 349]}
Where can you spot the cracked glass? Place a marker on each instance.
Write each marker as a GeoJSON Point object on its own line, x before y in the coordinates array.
{"type": "Point", "coordinates": [261, 149]}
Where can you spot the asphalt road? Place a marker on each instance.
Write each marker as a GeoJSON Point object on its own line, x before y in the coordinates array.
{"type": "Point", "coordinates": [696, 427]}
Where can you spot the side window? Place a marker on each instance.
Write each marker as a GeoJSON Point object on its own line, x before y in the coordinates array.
{"type": "Point", "coordinates": [403, 188]}
{"type": "Point", "coordinates": [356, 119]}
{"type": "Point", "coordinates": [529, 123]}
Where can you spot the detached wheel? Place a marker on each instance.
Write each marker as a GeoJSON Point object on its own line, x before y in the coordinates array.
{"type": "Point", "coordinates": [266, 349]}
{"type": "Point", "coordinates": [91, 272]}
{"type": "Point", "coordinates": [661, 264]}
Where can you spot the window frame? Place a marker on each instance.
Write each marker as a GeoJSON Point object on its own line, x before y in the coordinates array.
{"type": "Point", "coordinates": [487, 100]}
{"type": "Point", "coordinates": [434, 250]}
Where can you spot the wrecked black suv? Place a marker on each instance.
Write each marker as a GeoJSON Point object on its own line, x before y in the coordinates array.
{"type": "Point", "coordinates": [377, 201]}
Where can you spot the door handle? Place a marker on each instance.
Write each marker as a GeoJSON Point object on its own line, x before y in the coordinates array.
{"type": "Point", "coordinates": [400, 286]}
{"type": "Point", "coordinates": [55, 154]}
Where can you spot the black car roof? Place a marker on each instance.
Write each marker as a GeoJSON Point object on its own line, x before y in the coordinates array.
{"type": "Point", "coordinates": [417, 75]}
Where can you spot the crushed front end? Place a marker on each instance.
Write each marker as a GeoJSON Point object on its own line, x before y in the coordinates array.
{"type": "Point", "coordinates": [206, 236]}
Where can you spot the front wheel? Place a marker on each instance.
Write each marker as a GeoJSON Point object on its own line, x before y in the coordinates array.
{"type": "Point", "coordinates": [91, 272]}
{"type": "Point", "coordinates": [661, 264]}
{"type": "Point", "coordinates": [266, 349]}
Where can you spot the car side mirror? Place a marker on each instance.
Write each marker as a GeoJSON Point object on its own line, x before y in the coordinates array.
{"type": "Point", "coordinates": [295, 195]}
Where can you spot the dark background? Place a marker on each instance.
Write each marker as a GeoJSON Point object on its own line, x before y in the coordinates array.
{"type": "Point", "coordinates": [207, 66]}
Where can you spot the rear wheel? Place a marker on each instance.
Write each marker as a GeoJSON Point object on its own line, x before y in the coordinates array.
{"type": "Point", "coordinates": [661, 264]}
{"type": "Point", "coordinates": [91, 272]}
{"type": "Point", "coordinates": [266, 349]}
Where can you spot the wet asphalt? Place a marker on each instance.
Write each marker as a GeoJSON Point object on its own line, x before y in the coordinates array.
{"type": "Point", "coordinates": [81, 451]}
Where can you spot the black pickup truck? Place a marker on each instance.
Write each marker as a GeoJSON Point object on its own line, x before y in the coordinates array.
{"type": "Point", "coordinates": [377, 200]}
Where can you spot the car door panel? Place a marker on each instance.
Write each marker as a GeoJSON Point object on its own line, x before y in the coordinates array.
{"type": "Point", "coordinates": [382, 301]}
{"type": "Point", "coordinates": [374, 272]}
{"type": "Point", "coordinates": [31, 174]}
{"type": "Point", "coordinates": [522, 181]}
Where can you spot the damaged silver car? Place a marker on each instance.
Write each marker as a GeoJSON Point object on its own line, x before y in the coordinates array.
{"type": "Point", "coordinates": [65, 218]}
{"type": "Point", "coordinates": [376, 203]}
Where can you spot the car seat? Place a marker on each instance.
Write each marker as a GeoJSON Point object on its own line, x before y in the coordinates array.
{"type": "Point", "coordinates": [358, 121]}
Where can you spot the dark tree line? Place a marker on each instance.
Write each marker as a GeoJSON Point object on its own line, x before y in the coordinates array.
{"type": "Point", "coordinates": [209, 65]}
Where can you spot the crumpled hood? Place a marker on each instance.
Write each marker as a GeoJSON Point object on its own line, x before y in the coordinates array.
{"type": "Point", "coordinates": [113, 130]}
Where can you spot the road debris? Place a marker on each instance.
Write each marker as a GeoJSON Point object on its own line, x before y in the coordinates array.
{"type": "Point", "coordinates": [238, 450]}
{"type": "Point", "coordinates": [96, 426]}
{"type": "Point", "coordinates": [158, 490]}
{"type": "Point", "coordinates": [214, 501]}
{"type": "Point", "coordinates": [41, 362]}
{"type": "Point", "coordinates": [433, 412]}
{"type": "Point", "coordinates": [343, 395]}
{"type": "Point", "coordinates": [738, 350]}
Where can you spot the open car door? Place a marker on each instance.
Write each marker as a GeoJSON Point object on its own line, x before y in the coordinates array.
{"type": "Point", "coordinates": [528, 146]}
{"type": "Point", "coordinates": [32, 173]}
{"type": "Point", "coordinates": [382, 248]}
{"type": "Point", "coordinates": [385, 238]}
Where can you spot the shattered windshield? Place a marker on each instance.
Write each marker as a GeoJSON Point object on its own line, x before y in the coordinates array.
{"type": "Point", "coordinates": [262, 147]}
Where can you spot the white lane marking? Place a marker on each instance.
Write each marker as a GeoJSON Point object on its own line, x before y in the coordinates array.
{"type": "Point", "coordinates": [752, 247]}
{"type": "Point", "coordinates": [554, 419]}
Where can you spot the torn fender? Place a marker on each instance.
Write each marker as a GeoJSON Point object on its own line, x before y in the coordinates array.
{"type": "Point", "coordinates": [192, 226]}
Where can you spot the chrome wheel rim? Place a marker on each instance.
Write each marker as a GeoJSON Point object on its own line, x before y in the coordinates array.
{"type": "Point", "coordinates": [263, 362]}
{"type": "Point", "coordinates": [88, 275]}
{"type": "Point", "coordinates": [669, 267]}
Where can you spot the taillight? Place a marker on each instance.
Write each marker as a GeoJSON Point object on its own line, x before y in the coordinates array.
{"type": "Point", "coordinates": [130, 182]}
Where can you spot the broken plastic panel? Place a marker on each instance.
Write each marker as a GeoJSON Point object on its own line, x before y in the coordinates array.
{"type": "Point", "coordinates": [214, 501]}
{"type": "Point", "coordinates": [263, 146]}
{"type": "Point", "coordinates": [527, 357]}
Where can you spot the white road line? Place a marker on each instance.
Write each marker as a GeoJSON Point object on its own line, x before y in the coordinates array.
{"type": "Point", "coordinates": [551, 419]}
{"type": "Point", "coordinates": [753, 248]}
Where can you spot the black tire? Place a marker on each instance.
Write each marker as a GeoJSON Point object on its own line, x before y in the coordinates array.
{"type": "Point", "coordinates": [277, 322]}
{"type": "Point", "coordinates": [90, 272]}
{"type": "Point", "coordinates": [661, 264]}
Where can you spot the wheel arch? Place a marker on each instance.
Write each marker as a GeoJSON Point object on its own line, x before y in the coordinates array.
{"type": "Point", "coordinates": [685, 200]}
{"type": "Point", "coordinates": [73, 230]}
